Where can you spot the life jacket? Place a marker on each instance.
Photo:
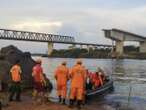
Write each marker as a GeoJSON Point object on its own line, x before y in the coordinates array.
{"type": "Point", "coordinates": [61, 75]}
{"type": "Point", "coordinates": [78, 76]}
{"type": "Point", "coordinates": [97, 80]}
{"type": "Point", "coordinates": [16, 73]}
{"type": "Point", "coordinates": [102, 78]}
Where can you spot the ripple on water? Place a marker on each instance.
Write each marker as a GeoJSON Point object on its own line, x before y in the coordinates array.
{"type": "Point", "coordinates": [118, 101]}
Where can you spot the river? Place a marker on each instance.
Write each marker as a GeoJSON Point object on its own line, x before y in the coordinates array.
{"type": "Point", "coordinates": [129, 79]}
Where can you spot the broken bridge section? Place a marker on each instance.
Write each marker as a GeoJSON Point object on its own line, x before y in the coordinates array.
{"type": "Point", "coordinates": [119, 36]}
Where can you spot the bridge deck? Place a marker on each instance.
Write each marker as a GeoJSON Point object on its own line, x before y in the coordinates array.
{"type": "Point", "coordinates": [41, 37]}
{"type": "Point", "coordinates": [129, 33]}
{"type": "Point", "coordinates": [117, 34]}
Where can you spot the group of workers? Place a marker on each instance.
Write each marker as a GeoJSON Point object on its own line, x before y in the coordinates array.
{"type": "Point", "coordinates": [95, 79]}
{"type": "Point", "coordinates": [80, 81]}
{"type": "Point", "coordinates": [78, 75]}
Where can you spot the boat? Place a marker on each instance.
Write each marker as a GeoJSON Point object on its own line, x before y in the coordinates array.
{"type": "Point", "coordinates": [107, 87]}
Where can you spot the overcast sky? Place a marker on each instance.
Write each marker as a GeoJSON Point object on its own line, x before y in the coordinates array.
{"type": "Point", "coordinates": [83, 19]}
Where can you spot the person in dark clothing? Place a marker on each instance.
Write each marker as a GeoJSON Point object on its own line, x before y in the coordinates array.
{"type": "Point", "coordinates": [0, 105]}
{"type": "Point", "coordinates": [47, 88]}
{"type": "Point", "coordinates": [15, 87]}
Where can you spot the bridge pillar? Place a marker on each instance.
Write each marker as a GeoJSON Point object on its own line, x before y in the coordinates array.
{"type": "Point", "coordinates": [73, 46]}
{"type": "Point", "coordinates": [143, 47]}
{"type": "Point", "coordinates": [50, 48]}
{"type": "Point", "coordinates": [93, 47]}
{"type": "Point", "coordinates": [119, 48]}
{"type": "Point", "coordinates": [81, 46]}
{"type": "Point", "coordinates": [88, 48]}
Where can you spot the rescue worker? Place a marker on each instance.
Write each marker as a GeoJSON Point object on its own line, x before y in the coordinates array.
{"type": "Point", "coordinates": [97, 79]}
{"type": "Point", "coordinates": [101, 75]}
{"type": "Point", "coordinates": [38, 80]}
{"type": "Point", "coordinates": [78, 77]}
{"type": "Point", "coordinates": [89, 83]}
{"type": "Point", "coordinates": [61, 76]}
{"type": "Point", "coordinates": [15, 88]}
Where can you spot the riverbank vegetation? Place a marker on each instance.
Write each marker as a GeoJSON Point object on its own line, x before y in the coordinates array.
{"type": "Point", "coordinates": [81, 53]}
{"type": "Point", "coordinates": [130, 52]}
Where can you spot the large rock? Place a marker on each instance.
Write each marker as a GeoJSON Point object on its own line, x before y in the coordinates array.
{"type": "Point", "coordinates": [8, 56]}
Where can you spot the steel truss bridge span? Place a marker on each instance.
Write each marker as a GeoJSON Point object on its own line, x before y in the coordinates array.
{"type": "Point", "coordinates": [8, 34]}
{"type": "Point", "coordinates": [34, 36]}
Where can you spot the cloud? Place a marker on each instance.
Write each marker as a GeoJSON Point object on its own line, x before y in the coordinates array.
{"type": "Point", "coordinates": [40, 26]}
{"type": "Point", "coordinates": [85, 21]}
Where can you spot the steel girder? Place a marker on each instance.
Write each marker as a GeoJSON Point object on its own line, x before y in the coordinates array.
{"type": "Point", "coordinates": [34, 36]}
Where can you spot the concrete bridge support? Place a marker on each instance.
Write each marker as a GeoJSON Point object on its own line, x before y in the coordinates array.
{"type": "Point", "coordinates": [119, 48]}
{"type": "Point", "coordinates": [50, 48]}
{"type": "Point", "coordinates": [73, 46]}
{"type": "Point", "coordinates": [93, 47]}
{"type": "Point", "coordinates": [143, 47]}
{"type": "Point", "coordinates": [88, 48]}
{"type": "Point", "coordinates": [81, 46]}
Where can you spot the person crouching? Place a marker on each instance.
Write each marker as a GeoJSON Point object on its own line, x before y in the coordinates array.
{"type": "Point", "coordinates": [47, 88]}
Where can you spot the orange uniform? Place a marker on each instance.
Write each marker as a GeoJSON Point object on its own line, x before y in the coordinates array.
{"type": "Point", "coordinates": [15, 73]}
{"type": "Point", "coordinates": [97, 80]}
{"type": "Point", "coordinates": [61, 76]}
{"type": "Point", "coordinates": [15, 88]}
{"type": "Point", "coordinates": [78, 77]}
{"type": "Point", "coordinates": [37, 73]}
{"type": "Point", "coordinates": [38, 78]}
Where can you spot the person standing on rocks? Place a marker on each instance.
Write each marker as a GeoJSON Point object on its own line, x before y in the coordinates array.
{"type": "Point", "coordinates": [61, 76]}
{"type": "Point", "coordinates": [38, 81]}
{"type": "Point", "coordinates": [15, 88]}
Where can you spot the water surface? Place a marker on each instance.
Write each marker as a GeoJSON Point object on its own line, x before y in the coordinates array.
{"type": "Point", "coordinates": [129, 79]}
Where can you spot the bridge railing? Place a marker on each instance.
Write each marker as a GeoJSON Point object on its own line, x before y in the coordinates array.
{"type": "Point", "coordinates": [34, 36]}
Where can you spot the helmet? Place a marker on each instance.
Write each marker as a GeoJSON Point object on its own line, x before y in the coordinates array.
{"type": "Point", "coordinates": [98, 69]}
{"type": "Point", "coordinates": [79, 61]}
{"type": "Point", "coordinates": [39, 61]}
{"type": "Point", "coordinates": [64, 63]}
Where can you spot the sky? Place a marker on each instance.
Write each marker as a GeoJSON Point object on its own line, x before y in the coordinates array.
{"type": "Point", "coordinates": [82, 19]}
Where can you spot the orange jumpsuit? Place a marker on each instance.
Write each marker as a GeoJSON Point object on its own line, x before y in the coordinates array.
{"type": "Point", "coordinates": [78, 77]}
{"type": "Point", "coordinates": [97, 80]}
{"type": "Point", "coordinates": [15, 73]}
{"type": "Point", "coordinates": [61, 76]}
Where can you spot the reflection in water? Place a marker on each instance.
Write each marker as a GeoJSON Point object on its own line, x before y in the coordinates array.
{"type": "Point", "coordinates": [118, 66]}
{"type": "Point", "coordinates": [127, 74]}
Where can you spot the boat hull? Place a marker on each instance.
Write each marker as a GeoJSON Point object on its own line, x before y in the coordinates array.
{"type": "Point", "coordinates": [107, 87]}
